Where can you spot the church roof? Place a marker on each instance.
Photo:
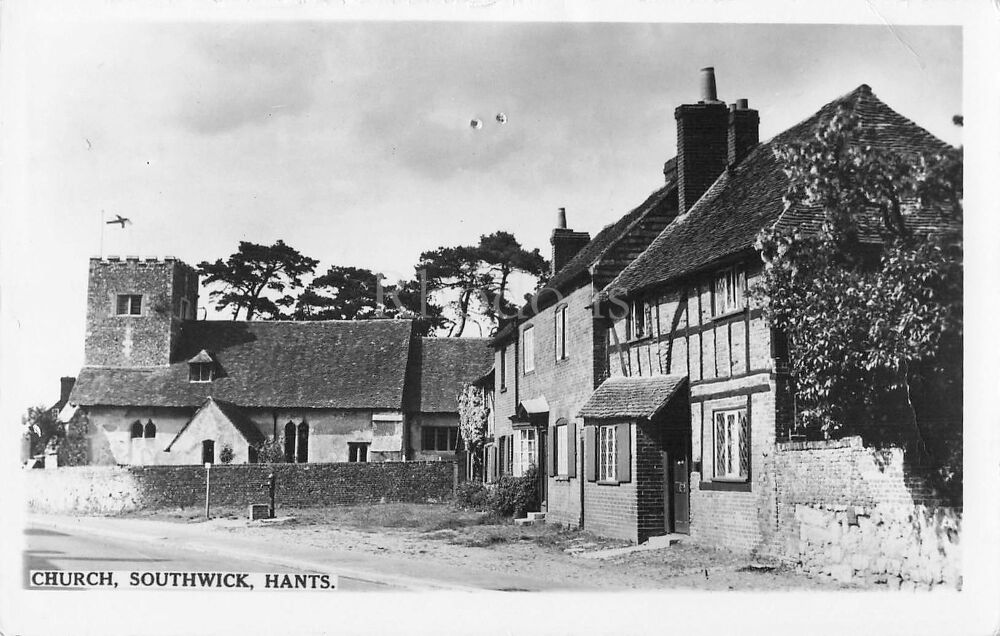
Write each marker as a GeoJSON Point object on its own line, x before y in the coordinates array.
{"type": "Point", "coordinates": [446, 366]}
{"type": "Point", "coordinates": [358, 364]}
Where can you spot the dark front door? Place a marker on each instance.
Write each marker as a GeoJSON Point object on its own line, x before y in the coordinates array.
{"type": "Point", "coordinates": [543, 474]}
{"type": "Point", "coordinates": [676, 478]}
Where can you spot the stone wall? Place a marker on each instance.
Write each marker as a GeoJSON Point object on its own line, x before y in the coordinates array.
{"type": "Point", "coordinates": [854, 512]}
{"type": "Point", "coordinates": [112, 489]}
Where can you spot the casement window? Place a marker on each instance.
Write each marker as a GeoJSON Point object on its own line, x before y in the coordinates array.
{"type": "Point", "coordinates": [439, 438]}
{"type": "Point", "coordinates": [528, 349]}
{"type": "Point", "coordinates": [608, 453]}
{"type": "Point", "coordinates": [302, 443]}
{"type": "Point", "coordinates": [129, 305]}
{"type": "Point", "coordinates": [732, 445]}
{"type": "Point", "coordinates": [729, 287]}
{"type": "Point", "coordinates": [200, 372]}
{"type": "Point", "coordinates": [524, 451]}
{"type": "Point", "coordinates": [208, 451]}
{"type": "Point", "coordinates": [503, 369]}
{"type": "Point", "coordinates": [637, 322]}
{"type": "Point", "coordinates": [290, 442]}
{"type": "Point", "coordinates": [560, 328]}
{"type": "Point", "coordinates": [357, 452]}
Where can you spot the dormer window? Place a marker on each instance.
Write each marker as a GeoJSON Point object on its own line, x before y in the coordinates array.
{"type": "Point", "coordinates": [201, 368]}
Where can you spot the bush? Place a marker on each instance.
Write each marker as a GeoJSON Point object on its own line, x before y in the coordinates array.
{"type": "Point", "coordinates": [472, 495]}
{"type": "Point", "coordinates": [515, 496]}
{"type": "Point", "coordinates": [226, 455]}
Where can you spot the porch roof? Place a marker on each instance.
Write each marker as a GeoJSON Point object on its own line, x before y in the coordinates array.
{"type": "Point", "coordinates": [635, 397]}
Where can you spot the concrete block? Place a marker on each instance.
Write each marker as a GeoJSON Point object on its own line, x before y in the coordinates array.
{"type": "Point", "coordinates": [258, 511]}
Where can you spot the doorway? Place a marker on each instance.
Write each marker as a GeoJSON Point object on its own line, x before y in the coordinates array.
{"type": "Point", "coordinates": [543, 474]}
{"type": "Point", "coordinates": [676, 486]}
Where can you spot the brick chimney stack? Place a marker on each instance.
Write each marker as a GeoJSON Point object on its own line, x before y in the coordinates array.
{"type": "Point", "coordinates": [702, 142]}
{"type": "Point", "coordinates": [565, 242]}
{"type": "Point", "coordinates": [744, 130]}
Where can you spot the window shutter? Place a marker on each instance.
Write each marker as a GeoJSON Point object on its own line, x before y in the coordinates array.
{"type": "Point", "coordinates": [501, 455]}
{"type": "Point", "coordinates": [623, 450]}
{"type": "Point", "coordinates": [571, 449]}
{"type": "Point", "coordinates": [493, 464]}
{"type": "Point", "coordinates": [550, 451]}
{"type": "Point", "coordinates": [590, 452]}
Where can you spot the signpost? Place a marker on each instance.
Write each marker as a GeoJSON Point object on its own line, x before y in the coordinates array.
{"type": "Point", "coordinates": [208, 485]}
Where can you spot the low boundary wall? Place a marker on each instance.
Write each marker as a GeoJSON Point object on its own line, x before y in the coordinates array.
{"type": "Point", "coordinates": [115, 489]}
{"type": "Point", "coordinates": [849, 511]}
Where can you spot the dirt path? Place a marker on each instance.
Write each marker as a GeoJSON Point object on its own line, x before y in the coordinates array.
{"type": "Point", "coordinates": [465, 539]}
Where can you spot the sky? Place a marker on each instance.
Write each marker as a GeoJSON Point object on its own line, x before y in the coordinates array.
{"type": "Point", "coordinates": [351, 140]}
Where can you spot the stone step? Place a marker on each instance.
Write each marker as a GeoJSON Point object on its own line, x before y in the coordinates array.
{"type": "Point", "coordinates": [536, 516]}
{"type": "Point", "coordinates": [525, 522]}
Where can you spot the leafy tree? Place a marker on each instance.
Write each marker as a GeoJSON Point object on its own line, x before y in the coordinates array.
{"type": "Point", "coordinates": [43, 429]}
{"type": "Point", "coordinates": [503, 255]}
{"type": "Point", "coordinates": [253, 271]}
{"type": "Point", "coordinates": [477, 277]}
{"type": "Point", "coordinates": [473, 418]}
{"type": "Point", "coordinates": [872, 306]}
{"type": "Point", "coordinates": [457, 270]}
{"type": "Point", "coordinates": [354, 293]}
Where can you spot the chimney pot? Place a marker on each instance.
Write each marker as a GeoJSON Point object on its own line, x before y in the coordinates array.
{"type": "Point", "coordinates": [708, 93]}
{"type": "Point", "coordinates": [742, 104]}
{"type": "Point", "coordinates": [561, 219]}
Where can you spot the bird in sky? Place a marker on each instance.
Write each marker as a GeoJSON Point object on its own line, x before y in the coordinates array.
{"type": "Point", "coordinates": [120, 220]}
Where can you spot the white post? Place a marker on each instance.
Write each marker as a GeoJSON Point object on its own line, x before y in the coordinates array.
{"type": "Point", "coordinates": [208, 485]}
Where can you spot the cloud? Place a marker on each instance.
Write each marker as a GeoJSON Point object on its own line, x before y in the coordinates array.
{"type": "Point", "coordinates": [244, 75]}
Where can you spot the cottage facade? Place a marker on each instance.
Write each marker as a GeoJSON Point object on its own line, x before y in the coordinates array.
{"type": "Point", "coordinates": [159, 387]}
{"type": "Point", "coordinates": [674, 395]}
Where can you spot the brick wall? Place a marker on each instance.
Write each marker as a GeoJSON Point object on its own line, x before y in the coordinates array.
{"type": "Point", "coordinates": [612, 510]}
{"type": "Point", "coordinates": [649, 480]}
{"type": "Point", "coordinates": [850, 511]}
{"type": "Point", "coordinates": [112, 489]}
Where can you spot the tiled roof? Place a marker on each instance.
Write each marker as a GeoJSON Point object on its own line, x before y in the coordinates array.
{"type": "Point", "coordinates": [446, 366]}
{"type": "Point", "coordinates": [321, 364]}
{"type": "Point", "coordinates": [749, 197]}
{"type": "Point", "coordinates": [632, 397]}
{"type": "Point", "coordinates": [591, 253]}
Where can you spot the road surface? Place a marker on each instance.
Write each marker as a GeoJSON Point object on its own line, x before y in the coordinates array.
{"type": "Point", "coordinates": [48, 549]}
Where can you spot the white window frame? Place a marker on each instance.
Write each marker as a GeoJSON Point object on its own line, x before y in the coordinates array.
{"type": "Point", "coordinates": [728, 427]}
{"type": "Point", "coordinates": [130, 305]}
{"type": "Point", "coordinates": [560, 333]}
{"type": "Point", "coordinates": [528, 349]}
{"type": "Point", "coordinates": [729, 293]}
{"type": "Point", "coordinates": [201, 366]}
{"type": "Point", "coordinates": [526, 451]}
{"type": "Point", "coordinates": [607, 456]}
{"type": "Point", "coordinates": [562, 449]}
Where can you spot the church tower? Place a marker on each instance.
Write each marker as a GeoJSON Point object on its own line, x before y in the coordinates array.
{"type": "Point", "coordinates": [135, 308]}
